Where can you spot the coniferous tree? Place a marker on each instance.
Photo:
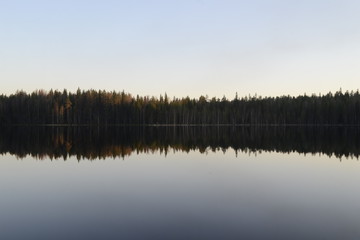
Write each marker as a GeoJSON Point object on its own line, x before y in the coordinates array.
{"type": "Point", "coordinates": [106, 108]}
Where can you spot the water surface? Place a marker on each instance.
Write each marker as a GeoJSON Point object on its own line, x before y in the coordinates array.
{"type": "Point", "coordinates": [66, 183]}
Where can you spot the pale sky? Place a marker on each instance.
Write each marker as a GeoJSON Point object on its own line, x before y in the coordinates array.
{"type": "Point", "coordinates": [183, 48]}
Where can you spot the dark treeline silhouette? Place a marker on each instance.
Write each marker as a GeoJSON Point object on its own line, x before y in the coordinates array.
{"type": "Point", "coordinates": [107, 108]}
{"type": "Point", "coordinates": [103, 142]}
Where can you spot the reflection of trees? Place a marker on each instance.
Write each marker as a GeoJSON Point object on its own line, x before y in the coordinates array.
{"type": "Point", "coordinates": [101, 142]}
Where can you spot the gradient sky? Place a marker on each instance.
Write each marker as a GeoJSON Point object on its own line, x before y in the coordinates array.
{"type": "Point", "coordinates": [181, 47]}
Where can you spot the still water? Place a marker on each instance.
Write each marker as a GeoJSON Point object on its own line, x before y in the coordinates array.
{"type": "Point", "coordinates": [66, 183]}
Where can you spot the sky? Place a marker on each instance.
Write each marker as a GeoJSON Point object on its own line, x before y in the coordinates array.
{"type": "Point", "coordinates": [183, 48]}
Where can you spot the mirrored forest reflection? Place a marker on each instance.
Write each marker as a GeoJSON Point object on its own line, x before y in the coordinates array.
{"type": "Point", "coordinates": [104, 142]}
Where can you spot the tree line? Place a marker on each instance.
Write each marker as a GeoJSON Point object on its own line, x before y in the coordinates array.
{"type": "Point", "coordinates": [119, 108]}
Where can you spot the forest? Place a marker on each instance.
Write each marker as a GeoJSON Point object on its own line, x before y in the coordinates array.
{"type": "Point", "coordinates": [93, 107]}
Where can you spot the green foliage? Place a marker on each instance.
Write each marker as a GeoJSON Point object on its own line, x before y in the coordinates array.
{"type": "Point", "coordinates": [114, 108]}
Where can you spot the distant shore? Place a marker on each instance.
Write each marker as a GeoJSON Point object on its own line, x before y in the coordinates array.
{"type": "Point", "coordinates": [101, 108]}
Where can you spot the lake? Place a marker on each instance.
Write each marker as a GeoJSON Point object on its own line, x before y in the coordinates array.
{"type": "Point", "coordinates": [179, 183]}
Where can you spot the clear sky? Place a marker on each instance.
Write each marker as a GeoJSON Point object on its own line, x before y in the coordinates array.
{"type": "Point", "coordinates": [194, 47]}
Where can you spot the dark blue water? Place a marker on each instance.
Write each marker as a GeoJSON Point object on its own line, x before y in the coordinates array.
{"type": "Point", "coordinates": [181, 196]}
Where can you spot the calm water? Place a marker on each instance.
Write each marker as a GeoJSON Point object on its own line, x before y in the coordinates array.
{"type": "Point", "coordinates": [178, 183]}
